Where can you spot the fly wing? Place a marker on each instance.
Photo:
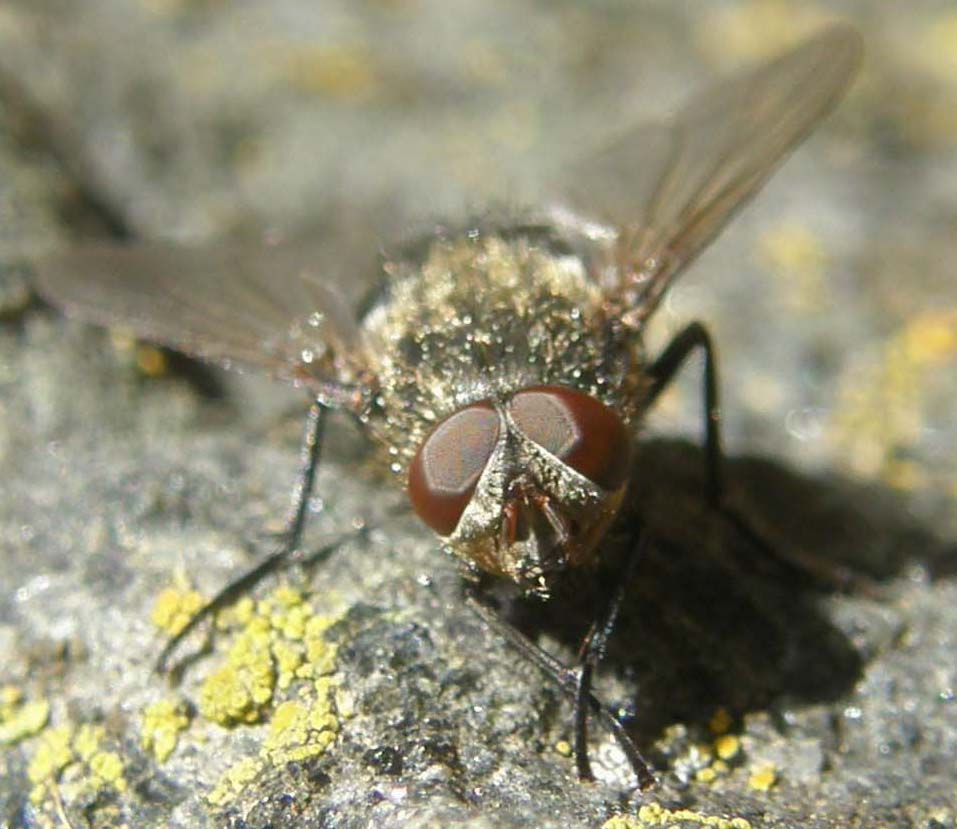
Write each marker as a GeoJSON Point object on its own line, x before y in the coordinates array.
{"type": "Point", "coordinates": [671, 188]}
{"type": "Point", "coordinates": [269, 307]}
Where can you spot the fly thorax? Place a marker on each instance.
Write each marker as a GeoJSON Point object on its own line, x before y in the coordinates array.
{"type": "Point", "coordinates": [479, 319]}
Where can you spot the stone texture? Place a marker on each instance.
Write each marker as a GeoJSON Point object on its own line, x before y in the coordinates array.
{"type": "Point", "coordinates": [833, 303]}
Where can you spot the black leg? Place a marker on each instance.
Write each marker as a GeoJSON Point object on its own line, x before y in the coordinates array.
{"type": "Point", "coordinates": [567, 680]}
{"type": "Point", "coordinates": [309, 454]}
{"type": "Point", "coordinates": [663, 371]}
{"type": "Point", "coordinates": [288, 551]}
{"type": "Point", "coordinates": [592, 651]}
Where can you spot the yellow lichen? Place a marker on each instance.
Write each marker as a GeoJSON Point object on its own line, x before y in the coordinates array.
{"type": "Point", "coordinates": [283, 597]}
{"type": "Point", "coordinates": [53, 754]}
{"type": "Point", "coordinates": [320, 653]}
{"type": "Point", "coordinates": [87, 740]}
{"type": "Point", "coordinates": [238, 692]}
{"type": "Point", "coordinates": [708, 775]}
{"type": "Point", "coordinates": [930, 338]}
{"type": "Point", "coordinates": [147, 358]}
{"type": "Point", "coordinates": [10, 698]}
{"type": "Point", "coordinates": [341, 72]}
{"type": "Point", "coordinates": [162, 722]}
{"type": "Point", "coordinates": [292, 623]}
{"type": "Point", "coordinates": [653, 814]}
{"type": "Point", "coordinates": [282, 640]}
{"type": "Point", "coordinates": [79, 751]}
{"type": "Point", "coordinates": [174, 607]}
{"type": "Point", "coordinates": [797, 256]}
{"type": "Point", "coordinates": [235, 780]}
{"type": "Point", "coordinates": [151, 360]}
{"type": "Point", "coordinates": [621, 822]}
{"type": "Point", "coordinates": [289, 659]}
{"type": "Point", "coordinates": [727, 746]}
{"type": "Point", "coordinates": [18, 719]}
{"type": "Point", "coordinates": [106, 768]}
{"type": "Point", "coordinates": [236, 616]}
{"type": "Point", "coordinates": [299, 731]}
{"type": "Point", "coordinates": [564, 748]}
{"type": "Point", "coordinates": [763, 777]}
{"type": "Point", "coordinates": [279, 647]}
{"type": "Point", "coordinates": [880, 415]}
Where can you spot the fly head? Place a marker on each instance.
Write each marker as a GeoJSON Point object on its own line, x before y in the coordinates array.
{"type": "Point", "coordinates": [523, 487]}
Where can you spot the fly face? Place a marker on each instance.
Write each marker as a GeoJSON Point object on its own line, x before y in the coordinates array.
{"type": "Point", "coordinates": [523, 487]}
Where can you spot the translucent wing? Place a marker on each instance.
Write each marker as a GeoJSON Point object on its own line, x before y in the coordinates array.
{"type": "Point", "coordinates": [271, 307]}
{"type": "Point", "coordinates": [672, 187]}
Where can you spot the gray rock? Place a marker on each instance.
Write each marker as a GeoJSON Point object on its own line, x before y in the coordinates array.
{"type": "Point", "coordinates": [833, 304]}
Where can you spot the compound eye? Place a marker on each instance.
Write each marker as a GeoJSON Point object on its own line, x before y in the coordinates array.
{"type": "Point", "coordinates": [577, 429]}
{"type": "Point", "coordinates": [448, 465]}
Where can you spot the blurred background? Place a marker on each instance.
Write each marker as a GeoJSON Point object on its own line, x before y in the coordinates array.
{"type": "Point", "coordinates": [832, 299]}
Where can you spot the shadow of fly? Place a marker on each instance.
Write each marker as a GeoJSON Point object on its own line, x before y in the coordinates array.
{"type": "Point", "coordinates": [498, 365]}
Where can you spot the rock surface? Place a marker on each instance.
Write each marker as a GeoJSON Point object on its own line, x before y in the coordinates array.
{"type": "Point", "coordinates": [362, 691]}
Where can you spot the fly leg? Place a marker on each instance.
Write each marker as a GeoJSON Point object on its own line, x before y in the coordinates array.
{"type": "Point", "coordinates": [662, 372]}
{"type": "Point", "coordinates": [288, 551]}
{"type": "Point", "coordinates": [569, 681]}
{"type": "Point", "coordinates": [591, 653]}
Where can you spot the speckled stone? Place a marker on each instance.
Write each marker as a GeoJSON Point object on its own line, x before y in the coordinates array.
{"type": "Point", "coordinates": [832, 301]}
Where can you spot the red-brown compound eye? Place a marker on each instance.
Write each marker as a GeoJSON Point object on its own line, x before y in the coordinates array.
{"type": "Point", "coordinates": [578, 429]}
{"type": "Point", "coordinates": [449, 463]}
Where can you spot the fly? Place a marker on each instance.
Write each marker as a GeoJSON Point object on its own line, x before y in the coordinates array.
{"type": "Point", "coordinates": [499, 368]}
